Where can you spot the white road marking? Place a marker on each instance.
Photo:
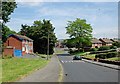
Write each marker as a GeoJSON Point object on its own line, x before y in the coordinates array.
{"type": "Point", "coordinates": [71, 61]}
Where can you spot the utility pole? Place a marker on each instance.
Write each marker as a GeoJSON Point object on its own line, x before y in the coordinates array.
{"type": "Point", "coordinates": [48, 46]}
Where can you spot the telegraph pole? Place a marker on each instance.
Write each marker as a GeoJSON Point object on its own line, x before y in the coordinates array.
{"type": "Point", "coordinates": [48, 47]}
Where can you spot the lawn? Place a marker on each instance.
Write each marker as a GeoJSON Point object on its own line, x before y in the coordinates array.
{"type": "Point", "coordinates": [15, 68]}
{"type": "Point", "coordinates": [0, 70]}
{"type": "Point", "coordinates": [114, 59]}
{"type": "Point", "coordinates": [91, 56]}
{"type": "Point", "coordinates": [81, 53]}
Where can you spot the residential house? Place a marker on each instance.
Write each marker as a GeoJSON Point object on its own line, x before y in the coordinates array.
{"type": "Point", "coordinates": [106, 41]}
{"type": "Point", "coordinates": [18, 45]}
{"type": "Point", "coordinates": [115, 40]}
{"type": "Point", "coordinates": [96, 43]}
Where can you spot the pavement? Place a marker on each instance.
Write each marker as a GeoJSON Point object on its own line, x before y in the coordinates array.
{"type": "Point", "coordinates": [50, 73]}
{"type": "Point", "coordinates": [103, 64]}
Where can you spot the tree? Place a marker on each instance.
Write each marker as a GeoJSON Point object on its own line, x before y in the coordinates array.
{"type": "Point", "coordinates": [39, 33]}
{"type": "Point", "coordinates": [7, 8]}
{"type": "Point", "coordinates": [80, 33]}
{"type": "Point", "coordinates": [6, 32]}
{"type": "Point", "coordinates": [117, 44]}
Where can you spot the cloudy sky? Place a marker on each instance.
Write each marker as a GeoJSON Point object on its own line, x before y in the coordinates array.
{"type": "Point", "coordinates": [103, 16]}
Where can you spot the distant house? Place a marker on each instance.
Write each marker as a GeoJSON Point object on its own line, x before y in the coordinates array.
{"type": "Point", "coordinates": [59, 44]}
{"type": "Point", "coordinates": [115, 40]}
{"type": "Point", "coordinates": [106, 41]}
{"type": "Point", "coordinates": [18, 45]}
{"type": "Point", "coordinates": [96, 43]}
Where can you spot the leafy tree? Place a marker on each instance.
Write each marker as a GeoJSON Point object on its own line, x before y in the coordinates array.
{"type": "Point", "coordinates": [7, 8]}
{"type": "Point", "coordinates": [6, 32]}
{"type": "Point", "coordinates": [80, 33]}
{"type": "Point", "coordinates": [39, 33]}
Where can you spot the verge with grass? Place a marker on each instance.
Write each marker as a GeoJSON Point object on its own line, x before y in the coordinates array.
{"type": "Point", "coordinates": [16, 68]}
{"type": "Point", "coordinates": [114, 59]}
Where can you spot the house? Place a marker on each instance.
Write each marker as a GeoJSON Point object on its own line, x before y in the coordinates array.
{"type": "Point", "coordinates": [106, 41]}
{"type": "Point", "coordinates": [96, 43]}
{"type": "Point", "coordinates": [18, 45]}
{"type": "Point", "coordinates": [115, 40]}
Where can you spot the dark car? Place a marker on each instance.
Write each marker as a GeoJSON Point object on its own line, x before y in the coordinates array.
{"type": "Point", "coordinates": [77, 57]}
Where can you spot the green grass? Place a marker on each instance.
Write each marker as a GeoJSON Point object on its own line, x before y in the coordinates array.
{"type": "Point", "coordinates": [114, 59]}
{"type": "Point", "coordinates": [80, 53]}
{"type": "Point", "coordinates": [44, 55]}
{"type": "Point", "coordinates": [91, 56]}
{"type": "Point", "coordinates": [15, 68]}
{"type": "Point", "coordinates": [0, 70]}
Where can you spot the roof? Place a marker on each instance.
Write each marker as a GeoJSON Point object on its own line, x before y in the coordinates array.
{"type": "Point", "coordinates": [21, 37]}
{"type": "Point", "coordinates": [115, 40]}
{"type": "Point", "coordinates": [95, 40]}
{"type": "Point", "coordinates": [106, 40]}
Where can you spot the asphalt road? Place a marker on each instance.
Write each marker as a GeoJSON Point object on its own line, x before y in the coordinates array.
{"type": "Point", "coordinates": [80, 71]}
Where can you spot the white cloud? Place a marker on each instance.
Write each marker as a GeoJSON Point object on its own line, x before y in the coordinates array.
{"type": "Point", "coordinates": [15, 24]}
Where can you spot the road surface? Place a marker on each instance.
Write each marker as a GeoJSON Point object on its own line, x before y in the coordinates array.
{"type": "Point", "coordinates": [80, 71]}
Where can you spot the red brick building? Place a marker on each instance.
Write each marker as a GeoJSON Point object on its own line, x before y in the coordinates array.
{"type": "Point", "coordinates": [21, 45]}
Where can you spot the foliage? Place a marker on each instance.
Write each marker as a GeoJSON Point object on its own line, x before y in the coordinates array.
{"type": "Point", "coordinates": [39, 32]}
{"type": "Point", "coordinates": [104, 48]}
{"type": "Point", "coordinates": [113, 47]}
{"type": "Point", "coordinates": [6, 32]}
{"type": "Point", "coordinates": [116, 44]}
{"type": "Point", "coordinates": [69, 43]}
{"type": "Point", "coordinates": [93, 49]}
{"type": "Point", "coordinates": [7, 8]}
{"type": "Point", "coordinates": [80, 33]}
{"type": "Point", "coordinates": [106, 55]}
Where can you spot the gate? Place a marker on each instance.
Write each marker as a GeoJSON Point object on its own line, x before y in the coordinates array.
{"type": "Point", "coordinates": [17, 53]}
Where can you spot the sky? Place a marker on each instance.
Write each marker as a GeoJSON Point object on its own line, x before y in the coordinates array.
{"type": "Point", "coordinates": [103, 16]}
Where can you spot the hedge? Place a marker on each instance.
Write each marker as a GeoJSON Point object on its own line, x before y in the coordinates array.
{"type": "Point", "coordinates": [109, 62]}
{"type": "Point", "coordinates": [105, 51]}
{"type": "Point", "coordinates": [106, 55]}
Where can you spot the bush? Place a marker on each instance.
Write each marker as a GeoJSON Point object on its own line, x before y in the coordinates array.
{"type": "Point", "coordinates": [101, 56]}
{"type": "Point", "coordinates": [104, 48]}
{"type": "Point", "coordinates": [113, 47]}
{"type": "Point", "coordinates": [111, 54]}
{"type": "Point", "coordinates": [106, 55]}
{"type": "Point", "coordinates": [93, 49]}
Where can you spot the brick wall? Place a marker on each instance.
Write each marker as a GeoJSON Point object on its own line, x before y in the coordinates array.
{"type": "Point", "coordinates": [8, 51]}
{"type": "Point", "coordinates": [14, 42]}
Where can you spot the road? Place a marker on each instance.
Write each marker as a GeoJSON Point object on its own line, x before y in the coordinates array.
{"type": "Point", "coordinates": [80, 71]}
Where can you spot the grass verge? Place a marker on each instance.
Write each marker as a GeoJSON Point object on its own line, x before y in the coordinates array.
{"type": "Point", "coordinates": [91, 56]}
{"type": "Point", "coordinates": [15, 68]}
{"type": "Point", "coordinates": [114, 59]}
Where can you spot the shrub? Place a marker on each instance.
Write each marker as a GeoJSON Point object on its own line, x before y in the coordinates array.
{"type": "Point", "coordinates": [106, 55]}
{"type": "Point", "coordinates": [113, 47]}
{"type": "Point", "coordinates": [102, 55]}
{"type": "Point", "coordinates": [93, 49]}
{"type": "Point", "coordinates": [111, 54]}
{"type": "Point", "coordinates": [104, 48]}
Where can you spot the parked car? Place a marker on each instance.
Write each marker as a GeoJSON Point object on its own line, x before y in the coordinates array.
{"type": "Point", "coordinates": [76, 57]}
